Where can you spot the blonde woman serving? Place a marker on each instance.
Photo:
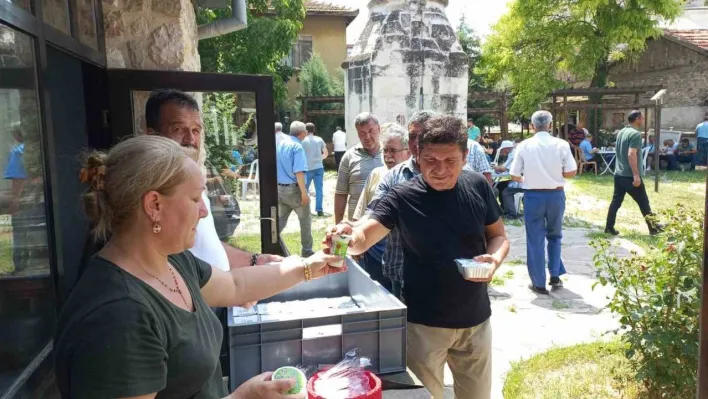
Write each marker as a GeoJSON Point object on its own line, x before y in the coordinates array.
{"type": "Point", "coordinates": [138, 324]}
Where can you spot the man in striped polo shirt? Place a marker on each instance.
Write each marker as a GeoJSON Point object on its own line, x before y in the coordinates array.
{"type": "Point", "coordinates": [356, 165]}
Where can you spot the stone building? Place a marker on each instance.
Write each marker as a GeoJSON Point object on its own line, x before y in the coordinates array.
{"type": "Point", "coordinates": [679, 62]}
{"type": "Point", "coordinates": [324, 32]}
{"type": "Point", "coordinates": [406, 59]}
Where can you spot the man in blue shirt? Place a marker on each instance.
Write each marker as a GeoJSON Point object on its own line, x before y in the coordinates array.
{"type": "Point", "coordinates": [702, 134]}
{"type": "Point", "coordinates": [315, 152]}
{"type": "Point", "coordinates": [588, 152]}
{"type": "Point", "coordinates": [292, 194]}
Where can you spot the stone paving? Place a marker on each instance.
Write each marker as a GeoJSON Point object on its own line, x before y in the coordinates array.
{"type": "Point", "coordinates": [523, 322]}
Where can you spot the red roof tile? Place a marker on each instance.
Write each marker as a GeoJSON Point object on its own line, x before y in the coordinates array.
{"type": "Point", "coordinates": [697, 37]}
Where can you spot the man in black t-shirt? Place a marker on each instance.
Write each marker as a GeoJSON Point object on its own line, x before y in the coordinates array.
{"type": "Point", "coordinates": [442, 215]}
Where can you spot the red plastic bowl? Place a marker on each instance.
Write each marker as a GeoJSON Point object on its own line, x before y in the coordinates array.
{"type": "Point", "coordinates": [374, 384]}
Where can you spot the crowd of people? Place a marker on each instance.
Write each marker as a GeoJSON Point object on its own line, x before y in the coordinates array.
{"type": "Point", "coordinates": [147, 317]}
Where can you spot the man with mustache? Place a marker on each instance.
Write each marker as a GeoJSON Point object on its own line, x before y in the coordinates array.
{"type": "Point", "coordinates": [458, 215]}
{"type": "Point", "coordinates": [175, 115]}
{"type": "Point", "coordinates": [356, 165]}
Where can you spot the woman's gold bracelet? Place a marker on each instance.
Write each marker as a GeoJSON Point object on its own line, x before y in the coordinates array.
{"type": "Point", "coordinates": [308, 271]}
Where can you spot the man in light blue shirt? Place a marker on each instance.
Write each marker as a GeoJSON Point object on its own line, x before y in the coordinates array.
{"type": "Point", "coordinates": [292, 194]}
{"type": "Point", "coordinates": [315, 152]}
{"type": "Point", "coordinates": [702, 135]}
{"type": "Point", "coordinates": [586, 147]}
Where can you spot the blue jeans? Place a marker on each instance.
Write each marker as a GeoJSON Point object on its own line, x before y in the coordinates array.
{"type": "Point", "coordinates": [543, 217]}
{"type": "Point", "coordinates": [702, 153]}
{"type": "Point", "coordinates": [318, 176]}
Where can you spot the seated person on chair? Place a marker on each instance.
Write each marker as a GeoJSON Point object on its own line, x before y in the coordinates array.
{"type": "Point", "coordinates": [508, 188]}
{"type": "Point", "coordinates": [668, 154]}
{"type": "Point", "coordinates": [686, 153]}
{"type": "Point", "coordinates": [587, 152]}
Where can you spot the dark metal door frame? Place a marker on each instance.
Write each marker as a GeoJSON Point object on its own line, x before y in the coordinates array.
{"type": "Point", "coordinates": [122, 83]}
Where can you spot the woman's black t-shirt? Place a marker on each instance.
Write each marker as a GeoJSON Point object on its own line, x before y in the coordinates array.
{"type": "Point", "coordinates": [119, 337]}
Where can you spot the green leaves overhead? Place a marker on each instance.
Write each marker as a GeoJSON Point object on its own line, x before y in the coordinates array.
{"type": "Point", "coordinates": [260, 47]}
{"type": "Point", "coordinates": [540, 45]}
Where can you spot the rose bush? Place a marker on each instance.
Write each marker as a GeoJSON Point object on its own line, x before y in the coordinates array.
{"type": "Point", "coordinates": [657, 297]}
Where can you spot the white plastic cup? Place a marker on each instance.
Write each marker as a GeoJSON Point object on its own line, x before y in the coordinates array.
{"type": "Point", "coordinates": [340, 246]}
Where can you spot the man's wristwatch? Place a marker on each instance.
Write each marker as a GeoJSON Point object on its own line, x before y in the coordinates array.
{"type": "Point", "coordinates": [254, 259]}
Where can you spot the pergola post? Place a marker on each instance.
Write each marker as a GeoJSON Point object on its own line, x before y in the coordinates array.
{"type": "Point", "coordinates": [566, 117]}
{"type": "Point", "coordinates": [657, 140]}
{"type": "Point", "coordinates": [503, 118]}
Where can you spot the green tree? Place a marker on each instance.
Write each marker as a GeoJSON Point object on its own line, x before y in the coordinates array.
{"type": "Point", "coordinates": [272, 27]}
{"type": "Point", "coordinates": [470, 43]}
{"type": "Point", "coordinates": [316, 81]}
{"type": "Point", "coordinates": [537, 42]}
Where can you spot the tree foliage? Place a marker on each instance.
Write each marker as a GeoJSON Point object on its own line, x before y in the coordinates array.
{"type": "Point", "coordinates": [471, 45]}
{"type": "Point", "coordinates": [316, 81]}
{"type": "Point", "coordinates": [260, 47]}
{"type": "Point", "coordinates": [538, 45]}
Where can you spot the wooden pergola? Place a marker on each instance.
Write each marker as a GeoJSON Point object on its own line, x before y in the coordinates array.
{"type": "Point", "coordinates": [499, 108]}
{"type": "Point", "coordinates": [305, 101]}
{"type": "Point", "coordinates": [600, 99]}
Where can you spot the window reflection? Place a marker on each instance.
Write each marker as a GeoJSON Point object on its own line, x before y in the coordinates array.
{"type": "Point", "coordinates": [25, 4]}
{"type": "Point", "coordinates": [55, 13]}
{"type": "Point", "coordinates": [86, 23]}
{"type": "Point", "coordinates": [26, 302]}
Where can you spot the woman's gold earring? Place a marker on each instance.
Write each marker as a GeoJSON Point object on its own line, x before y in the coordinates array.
{"type": "Point", "coordinates": [156, 228]}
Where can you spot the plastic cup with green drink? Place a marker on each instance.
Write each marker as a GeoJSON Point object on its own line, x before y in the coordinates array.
{"type": "Point", "coordinates": [340, 245]}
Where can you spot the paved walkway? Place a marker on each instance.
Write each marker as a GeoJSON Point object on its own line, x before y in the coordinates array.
{"type": "Point", "coordinates": [525, 323]}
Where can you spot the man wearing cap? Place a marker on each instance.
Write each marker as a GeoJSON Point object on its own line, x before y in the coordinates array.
{"type": "Point", "coordinates": [508, 188]}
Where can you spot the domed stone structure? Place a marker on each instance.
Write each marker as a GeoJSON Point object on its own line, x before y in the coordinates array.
{"type": "Point", "coordinates": [407, 59]}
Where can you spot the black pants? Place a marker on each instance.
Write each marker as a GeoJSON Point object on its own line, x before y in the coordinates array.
{"type": "Point", "coordinates": [338, 157]}
{"type": "Point", "coordinates": [623, 185]}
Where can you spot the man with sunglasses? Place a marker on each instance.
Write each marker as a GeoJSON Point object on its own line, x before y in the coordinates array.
{"type": "Point", "coordinates": [394, 141]}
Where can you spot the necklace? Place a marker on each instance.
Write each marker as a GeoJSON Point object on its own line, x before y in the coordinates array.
{"type": "Point", "coordinates": [174, 277]}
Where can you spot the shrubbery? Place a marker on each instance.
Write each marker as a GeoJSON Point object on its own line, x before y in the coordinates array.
{"type": "Point", "coordinates": [658, 300]}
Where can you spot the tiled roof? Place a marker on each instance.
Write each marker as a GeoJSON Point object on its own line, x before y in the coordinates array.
{"type": "Point", "coordinates": [697, 37]}
{"type": "Point", "coordinates": [323, 7]}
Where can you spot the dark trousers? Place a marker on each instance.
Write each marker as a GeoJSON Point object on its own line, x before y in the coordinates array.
{"type": "Point", "coordinates": [338, 157]}
{"type": "Point", "coordinates": [623, 185]}
{"type": "Point", "coordinates": [702, 154]}
{"type": "Point", "coordinates": [506, 198]}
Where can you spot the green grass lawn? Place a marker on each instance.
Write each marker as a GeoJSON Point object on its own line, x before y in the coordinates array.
{"type": "Point", "coordinates": [6, 265]}
{"type": "Point", "coordinates": [589, 197]}
{"type": "Point", "coordinates": [597, 370]}
{"type": "Point", "coordinates": [252, 242]}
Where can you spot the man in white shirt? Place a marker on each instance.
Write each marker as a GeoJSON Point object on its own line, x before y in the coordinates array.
{"type": "Point", "coordinates": [339, 139]}
{"type": "Point", "coordinates": [544, 162]}
{"type": "Point", "coordinates": [279, 135]}
{"type": "Point", "coordinates": [175, 115]}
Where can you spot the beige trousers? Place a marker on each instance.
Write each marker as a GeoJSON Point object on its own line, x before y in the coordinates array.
{"type": "Point", "coordinates": [468, 352]}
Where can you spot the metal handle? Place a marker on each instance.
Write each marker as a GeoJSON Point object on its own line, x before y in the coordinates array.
{"type": "Point", "coordinates": [273, 224]}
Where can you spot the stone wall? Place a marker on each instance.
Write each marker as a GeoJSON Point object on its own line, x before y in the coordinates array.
{"type": "Point", "coordinates": [406, 59]}
{"type": "Point", "coordinates": [682, 71]}
{"type": "Point", "coordinates": [151, 34]}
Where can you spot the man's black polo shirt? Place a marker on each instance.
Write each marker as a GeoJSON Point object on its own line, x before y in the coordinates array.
{"type": "Point", "coordinates": [436, 228]}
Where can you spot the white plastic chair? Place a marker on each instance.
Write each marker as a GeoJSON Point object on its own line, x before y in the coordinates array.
{"type": "Point", "coordinates": [251, 179]}
{"type": "Point", "coordinates": [518, 197]}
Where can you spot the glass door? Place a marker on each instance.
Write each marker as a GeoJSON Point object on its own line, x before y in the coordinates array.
{"type": "Point", "coordinates": [237, 145]}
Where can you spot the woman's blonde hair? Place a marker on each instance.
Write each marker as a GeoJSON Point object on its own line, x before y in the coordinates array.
{"type": "Point", "coordinates": [130, 170]}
